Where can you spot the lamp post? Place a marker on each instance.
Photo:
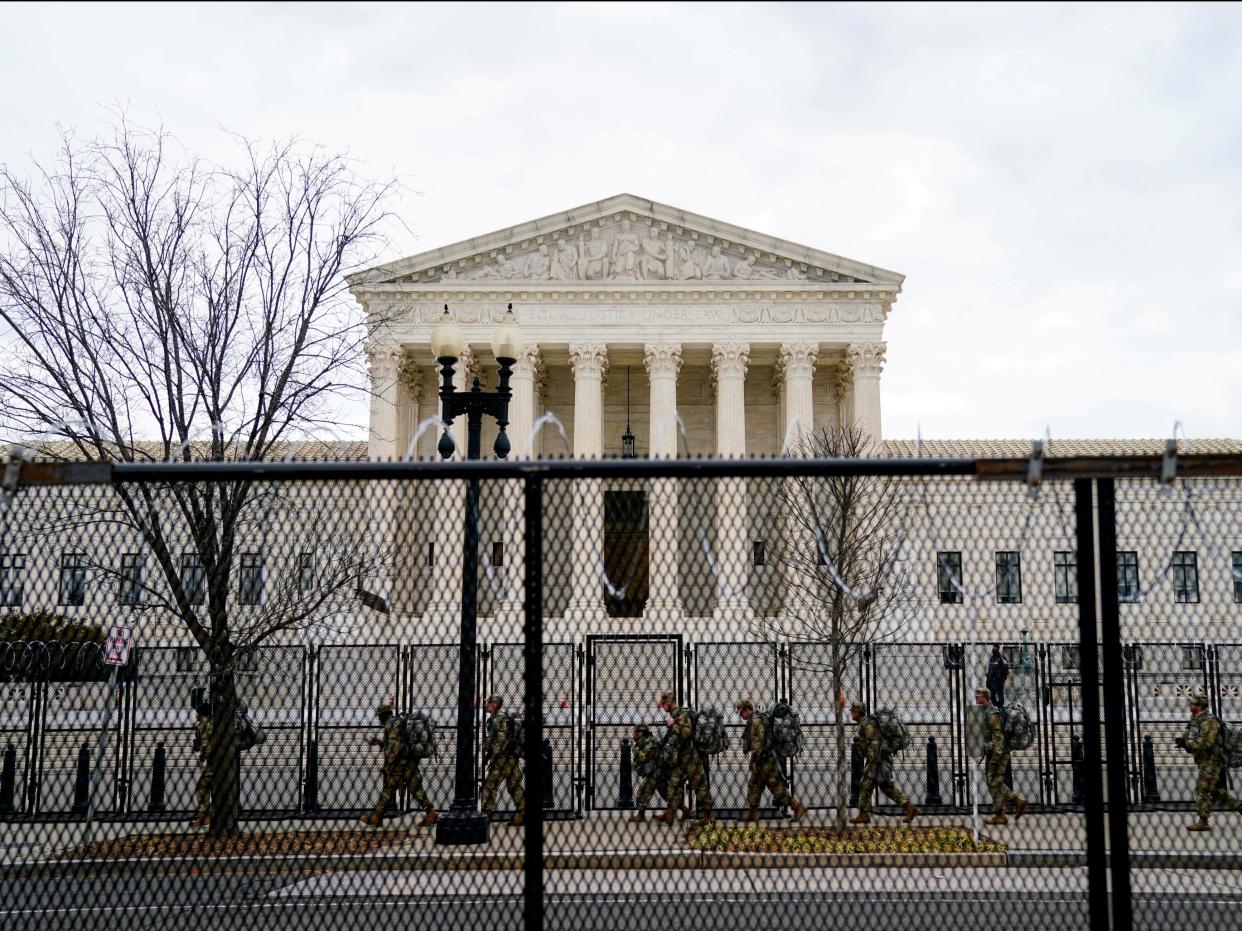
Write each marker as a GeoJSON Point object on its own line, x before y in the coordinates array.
{"type": "Point", "coordinates": [464, 823]}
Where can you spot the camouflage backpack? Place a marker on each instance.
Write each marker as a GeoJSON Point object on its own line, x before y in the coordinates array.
{"type": "Point", "coordinates": [708, 730]}
{"type": "Point", "coordinates": [784, 730]}
{"type": "Point", "coordinates": [248, 734]}
{"type": "Point", "coordinates": [1231, 745]}
{"type": "Point", "coordinates": [1018, 726]}
{"type": "Point", "coordinates": [894, 736]}
{"type": "Point", "coordinates": [418, 735]}
{"type": "Point", "coordinates": [517, 735]}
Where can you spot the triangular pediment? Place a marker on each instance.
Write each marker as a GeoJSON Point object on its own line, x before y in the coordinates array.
{"type": "Point", "coordinates": [625, 239]}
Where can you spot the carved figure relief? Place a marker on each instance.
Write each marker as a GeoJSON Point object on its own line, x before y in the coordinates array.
{"type": "Point", "coordinates": [625, 249]}
{"type": "Point", "coordinates": [564, 262]}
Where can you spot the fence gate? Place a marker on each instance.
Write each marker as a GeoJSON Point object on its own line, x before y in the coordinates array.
{"type": "Point", "coordinates": [810, 691]}
{"type": "Point", "coordinates": [19, 701]}
{"type": "Point", "coordinates": [624, 676]}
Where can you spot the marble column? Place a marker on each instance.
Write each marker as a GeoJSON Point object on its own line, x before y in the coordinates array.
{"type": "Point", "coordinates": [729, 363]}
{"type": "Point", "coordinates": [843, 380]}
{"type": "Point", "coordinates": [521, 421]}
{"type": "Point", "coordinates": [867, 361]}
{"type": "Point", "coordinates": [410, 386]}
{"type": "Point", "coordinates": [589, 362]}
{"type": "Point", "coordinates": [798, 368]}
{"type": "Point", "coordinates": [663, 362]}
{"type": "Point", "coordinates": [447, 523]}
{"type": "Point", "coordinates": [383, 360]}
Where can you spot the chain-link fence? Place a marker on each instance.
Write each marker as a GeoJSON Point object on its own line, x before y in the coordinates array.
{"type": "Point", "coordinates": [570, 694]}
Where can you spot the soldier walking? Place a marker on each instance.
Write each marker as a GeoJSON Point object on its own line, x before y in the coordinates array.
{"type": "Point", "coordinates": [765, 768]}
{"type": "Point", "coordinates": [687, 763]}
{"type": "Point", "coordinates": [1202, 741]}
{"type": "Point", "coordinates": [996, 755]}
{"type": "Point", "coordinates": [501, 760]}
{"type": "Point", "coordinates": [206, 744]}
{"type": "Point", "coordinates": [400, 770]}
{"type": "Point", "coordinates": [877, 768]}
{"type": "Point", "coordinates": [647, 763]}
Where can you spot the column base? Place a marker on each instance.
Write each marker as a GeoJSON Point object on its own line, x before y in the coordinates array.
{"type": "Point", "coordinates": [459, 826]}
{"type": "Point", "coordinates": [668, 609]}
{"type": "Point", "coordinates": [733, 611]}
{"type": "Point", "coordinates": [586, 611]}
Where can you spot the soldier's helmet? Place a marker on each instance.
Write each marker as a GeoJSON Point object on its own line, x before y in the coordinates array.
{"type": "Point", "coordinates": [1199, 697]}
{"type": "Point", "coordinates": [383, 711]}
{"type": "Point", "coordinates": [642, 729]}
{"type": "Point", "coordinates": [859, 707]}
{"type": "Point", "coordinates": [985, 693]}
{"type": "Point", "coordinates": [667, 696]}
{"type": "Point", "coordinates": [495, 700]}
{"type": "Point", "coordinates": [204, 708]}
{"type": "Point", "coordinates": [745, 705]}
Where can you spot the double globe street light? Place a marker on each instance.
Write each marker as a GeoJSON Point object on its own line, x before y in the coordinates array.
{"type": "Point", "coordinates": [464, 823]}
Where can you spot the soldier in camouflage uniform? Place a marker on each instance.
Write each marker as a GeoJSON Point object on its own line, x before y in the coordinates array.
{"type": "Point", "coordinates": [765, 768]}
{"type": "Point", "coordinates": [687, 763]}
{"type": "Point", "coordinates": [877, 770]}
{"type": "Point", "coordinates": [206, 759]}
{"type": "Point", "coordinates": [646, 755]}
{"type": "Point", "coordinates": [1202, 741]}
{"type": "Point", "coordinates": [997, 761]}
{"type": "Point", "coordinates": [399, 771]}
{"type": "Point", "coordinates": [501, 762]}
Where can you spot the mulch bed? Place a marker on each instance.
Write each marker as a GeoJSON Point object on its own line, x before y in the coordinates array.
{"type": "Point", "coordinates": [826, 840]}
{"type": "Point", "coordinates": [292, 843]}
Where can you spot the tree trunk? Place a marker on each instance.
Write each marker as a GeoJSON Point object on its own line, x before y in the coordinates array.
{"type": "Point", "coordinates": [224, 786]}
{"type": "Point", "coordinates": [843, 760]}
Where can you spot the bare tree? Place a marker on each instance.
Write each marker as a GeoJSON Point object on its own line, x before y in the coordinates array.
{"type": "Point", "coordinates": [163, 309]}
{"type": "Point", "coordinates": [838, 563]}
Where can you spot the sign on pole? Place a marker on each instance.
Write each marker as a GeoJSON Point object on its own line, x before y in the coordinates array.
{"type": "Point", "coordinates": [116, 650]}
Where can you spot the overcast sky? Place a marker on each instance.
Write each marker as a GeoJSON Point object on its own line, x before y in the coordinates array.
{"type": "Point", "coordinates": [1060, 185]}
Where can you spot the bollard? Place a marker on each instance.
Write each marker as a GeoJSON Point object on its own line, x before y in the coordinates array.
{"type": "Point", "coordinates": [82, 785]}
{"type": "Point", "coordinates": [625, 798]}
{"type": "Point", "coordinates": [856, 768]}
{"type": "Point", "coordinates": [549, 800]}
{"type": "Point", "coordinates": [310, 794]}
{"type": "Point", "coordinates": [1151, 792]}
{"type": "Point", "coordinates": [8, 780]}
{"type": "Point", "coordinates": [157, 778]}
{"type": "Point", "coordinates": [1076, 764]}
{"type": "Point", "coordinates": [932, 795]}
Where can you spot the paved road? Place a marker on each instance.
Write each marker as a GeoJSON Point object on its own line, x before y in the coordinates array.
{"type": "Point", "coordinates": [806, 900]}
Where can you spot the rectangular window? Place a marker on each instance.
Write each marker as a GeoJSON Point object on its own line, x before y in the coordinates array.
{"type": "Point", "coordinates": [250, 586]}
{"type": "Point", "coordinates": [949, 577]}
{"type": "Point", "coordinates": [498, 553]}
{"type": "Point", "coordinates": [12, 568]}
{"type": "Point", "coordinates": [759, 555]}
{"type": "Point", "coordinates": [130, 590]}
{"type": "Point", "coordinates": [1127, 576]}
{"type": "Point", "coordinates": [1065, 577]}
{"type": "Point", "coordinates": [73, 579]}
{"type": "Point", "coordinates": [431, 554]}
{"type": "Point", "coordinates": [1237, 577]}
{"type": "Point", "coordinates": [1185, 577]}
{"type": "Point", "coordinates": [306, 573]}
{"type": "Point", "coordinates": [193, 578]}
{"type": "Point", "coordinates": [188, 659]}
{"type": "Point", "coordinates": [1192, 657]}
{"type": "Point", "coordinates": [1070, 657]}
{"type": "Point", "coordinates": [1008, 579]}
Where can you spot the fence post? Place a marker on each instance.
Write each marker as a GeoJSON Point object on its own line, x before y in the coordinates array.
{"type": "Point", "coordinates": [1076, 797]}
{"type": "Point", "coordinates": [1009, 773]}
{"type": "Point", "coordinates": [932, 795]}
{"type": "Point", "coordinates": [8, 780]}
{"type": "Point", "coordinates": [310, 797]}
{"type": "Point", "coordinates": [532, 677]}
{"type": "Point", "coordinates": [549, 796]}
{"type": "Point", "coordinates": [82, 785]}
{"type": "Point", "coordinates": [157, 778]}
{"type": "Point", "coordinates": [1151, 792]}
{"type": "Point", "coordinates": [625, 796]}
{"type": "Point", "coordinates": [856, 768]}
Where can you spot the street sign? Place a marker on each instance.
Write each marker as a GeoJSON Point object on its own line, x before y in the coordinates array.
{"type": "Point", "coordinates": [116, 650]}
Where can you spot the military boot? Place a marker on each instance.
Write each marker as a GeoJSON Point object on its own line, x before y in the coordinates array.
{"type": "Point", "coordinates": [1200, 825]}
{"type": "Point", "coordinates": [430, 817]}
{"type": "Point", "coordinates": [912, 810]}
{"type": "Point", "coordinates": [863, 817]}
{"type": "Point", "coordinates": [373, 820]}
{"type": "Point", "coordinates": [706, 817]}
{"type": "Point", "coordinates": [685, 812]}
{"type": "Point", "coordinates": [202, 820]}
{"type": "Point", "coordinates": [638, 817]}
{"type": "Point", "coordinates": [752, 814]}
{"type": "Point", "coordinates": [998, 818]}
{"type": "Point", "coordinates": [519, 819]}
{"type": "Point", "coordinates": [1019, 806]}
{"type": "Point", "coordinates": [799, 811]}
{"type": "Point", "coordinates": [667, 816]}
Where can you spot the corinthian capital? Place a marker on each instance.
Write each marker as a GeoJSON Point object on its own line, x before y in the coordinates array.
{"type": "Point", "coordinates": [410, 375]}
{"type": "Point", "coordinates": [730, 360]}
{"type": "Point", "coordinates": [867, 359]}
{"type": "Point", "coordinates": [663, 360]}
{"type": "Point", "coordinates": [528, 363]}
{"type": "Point", "coordinates": [382, 360]}
{"type": "Point", "coordinates": [588, 359]}
{"type": "Point", "coordinates": [798, 359]}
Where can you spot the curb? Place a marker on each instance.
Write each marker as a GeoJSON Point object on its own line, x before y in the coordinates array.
{"type": "Point", "coordinates": [1143, 859]}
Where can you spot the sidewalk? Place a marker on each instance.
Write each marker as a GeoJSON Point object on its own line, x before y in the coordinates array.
{"type": "Point", "coordinates": [606, 840]}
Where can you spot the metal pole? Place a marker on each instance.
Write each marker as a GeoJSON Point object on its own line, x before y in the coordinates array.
{"type": "Point", "coordinates": [88, 830]}
{"type": "Point", "coordinates": [1093, 789]}
{"type": "Point", "coordinates": [533, 633]}
{"type": "Point", "coordinates": [1114, 710]}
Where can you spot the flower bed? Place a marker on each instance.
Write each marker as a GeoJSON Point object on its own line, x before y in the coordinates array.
{"type": "Point", "coordinates": [264, 844]}
{"type": "Point", "coordinates": [756, 839]}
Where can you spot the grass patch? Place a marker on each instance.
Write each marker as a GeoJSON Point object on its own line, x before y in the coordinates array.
{"type": "Point", "coordinates": [267, 844]}
{"type": "Point", "coordinates": [757, 839]}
